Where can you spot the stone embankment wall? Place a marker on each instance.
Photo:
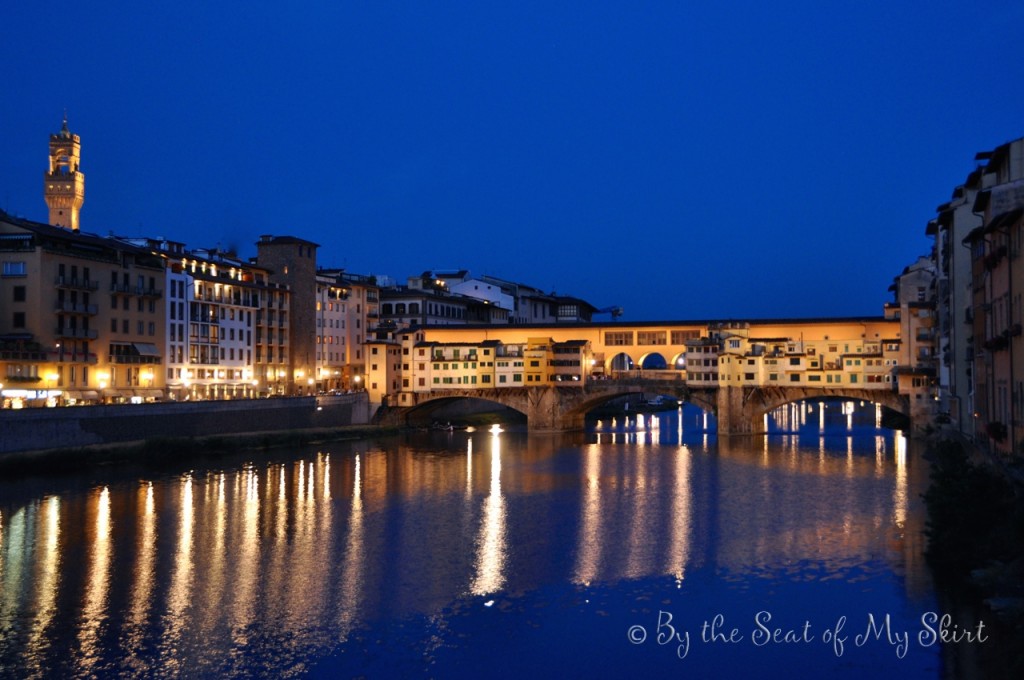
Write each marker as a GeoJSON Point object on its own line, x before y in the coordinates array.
{"type": "Point", "coordinates": [55, 428]}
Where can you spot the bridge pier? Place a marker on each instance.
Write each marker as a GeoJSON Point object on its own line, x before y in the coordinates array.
{"type": "Point", "coordinates": [734, 415]}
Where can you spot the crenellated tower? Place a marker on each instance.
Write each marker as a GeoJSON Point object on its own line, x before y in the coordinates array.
{"type": "Point", "coordinates": [64, 184]}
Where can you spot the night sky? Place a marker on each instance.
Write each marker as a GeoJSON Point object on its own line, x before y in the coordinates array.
{"type": "Point", "coordinates": [683, 160]}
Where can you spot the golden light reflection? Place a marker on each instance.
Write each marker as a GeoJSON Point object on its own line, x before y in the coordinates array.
{"type": "Point", "coordinates": [145, 557]}
{"type": "Point", "coordinates": [900, 488]}
{"type": "Point", "coordinates": [327, 477]}
{"type": "Point", "coordinates": [214, 576]}
{"type": "Point", "coordinates": [11, 566]}
{"type": "Point", "coordinates": [879, 455]}
{"type": "Point", "coordinates": [180, 594]}
{"type": "Point", "coordinates": [469, 468]}
{"type": "Point", "coordinates": [638, 560]}
{"type": "Point", "coordinates": [352, 574]}
{"type": "Point", "coordinates": [490, 557]}
{"type": "Point", "coordinates": [247, 565]}
{"type": "Point", "coordinates": [679, 546]}
{"type": "Point", "coordinates": [588, 551]}
{"type": "Point", "coordinates": [47, 578]}
{"type": "Point", "coordinates": [94, 611]}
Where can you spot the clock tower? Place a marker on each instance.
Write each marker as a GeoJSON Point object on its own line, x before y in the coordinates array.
{"type": "Point", "coordinates": [64, 185]}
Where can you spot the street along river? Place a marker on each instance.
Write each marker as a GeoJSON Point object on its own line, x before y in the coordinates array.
{"type": "Point", "coordinates": [642, 546]}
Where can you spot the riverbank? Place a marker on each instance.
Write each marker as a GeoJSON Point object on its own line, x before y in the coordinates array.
{"type": "Point", "coordinates": [976, 548]}
{"type": "Point", "coordinates": [161, 450]}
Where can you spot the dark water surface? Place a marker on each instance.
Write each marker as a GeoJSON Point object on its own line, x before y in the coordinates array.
{"type": "Point", "coordinates": [610, 553]}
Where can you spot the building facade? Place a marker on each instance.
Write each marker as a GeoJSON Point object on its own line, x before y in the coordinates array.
{"type": "Point", "coordinates": [83, 317]}
{"type": "Point", "coordinates": [997, 283]}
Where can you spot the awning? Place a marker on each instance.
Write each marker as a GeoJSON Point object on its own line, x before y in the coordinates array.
{"type": "Point", "coordinates": [149, 394]}
{"type": "Point", "coordinates": [90, 394]}
{"type": "Point", "coordinates": [146, 349]}
{"type": "Point", "coordinates": [72, 394]}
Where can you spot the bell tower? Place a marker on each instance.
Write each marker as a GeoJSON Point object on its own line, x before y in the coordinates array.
{"type": "Point", "coordinates": [64, 185]}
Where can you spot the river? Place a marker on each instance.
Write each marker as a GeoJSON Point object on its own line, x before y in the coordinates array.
{"type": "Point", "coordinates": [642, 546]}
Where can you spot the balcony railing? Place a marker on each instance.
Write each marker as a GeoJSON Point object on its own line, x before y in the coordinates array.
{"type": "Point", "coordinates": [76, 283]}
{"type": "Point", "coordinates": [77, 358]}
{"type": "Point", "coordinates": [71, 308]}
{"type": "Point", "coordinates": [132, 359]}
{"type": "Point", "coordinates": [80, 333]}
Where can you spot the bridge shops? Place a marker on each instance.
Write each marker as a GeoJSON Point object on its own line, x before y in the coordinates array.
{"type": "Point", "coordinates": [723, 365]}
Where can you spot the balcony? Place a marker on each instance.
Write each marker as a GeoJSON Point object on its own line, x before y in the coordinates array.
{"type": "Point", "coordinates": [132, 359]}
{"type": "Point", "coordinates": [148, 291]}
{"type": "Point", "coordinates": [72, 308]}
{"type": "Point", "coordinates": [76, 283]}
{"type": "Point", "coordinates": [78, 358]}
{"type": "Point", "coordinates": [79, 333]}
{"type": "Point", "coordinates": [23, 355]}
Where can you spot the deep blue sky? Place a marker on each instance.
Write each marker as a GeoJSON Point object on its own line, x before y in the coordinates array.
{"type": "Point", "coordinates": [682, 160]}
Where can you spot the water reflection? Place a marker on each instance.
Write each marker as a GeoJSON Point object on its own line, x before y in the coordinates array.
{"type": "Point", "coordinates": [94, 610]}
{"type": "Point", "coordinates": [46, 587]}
{"type": "Point", "coordinates": [490, 558]}
{"type": "Point", "coordinates": [352, 574]}
{"type": "Point", "coordinates": [257, 568]}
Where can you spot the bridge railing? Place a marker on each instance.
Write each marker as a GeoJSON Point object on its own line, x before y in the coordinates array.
{"type": "Point", "coordinates": [667, 375]}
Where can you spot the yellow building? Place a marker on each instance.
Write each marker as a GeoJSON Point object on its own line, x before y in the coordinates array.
{"type": "Point", "coordinates": [85, 318]}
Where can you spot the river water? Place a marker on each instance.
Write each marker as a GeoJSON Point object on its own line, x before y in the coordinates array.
{"type": "Point", "coordinates": [644, 545]}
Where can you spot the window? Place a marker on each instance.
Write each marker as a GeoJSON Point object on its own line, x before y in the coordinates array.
{"type": "Point", "coordinates": [19, 293]}
{"type": "Point", "coordinates": [14, 269]}
{"type": "Point", "coordinates": [649, 337]}
{"type": "Point", "coordinates": [680, 337]}
{"type": "Point", "coordinates": [618, 338]}
{"type": "Point", "coordinates": [19, 320]}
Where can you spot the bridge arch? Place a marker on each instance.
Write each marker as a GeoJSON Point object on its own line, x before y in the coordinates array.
{"type": "Point", "coordinates": [745, 408]}
{"type": "Point", "coordinates": [621, 362]}
{"type": "Point", "coordinates": [652, 361]}
{"type": "Point", "coordinates": [452, 408]}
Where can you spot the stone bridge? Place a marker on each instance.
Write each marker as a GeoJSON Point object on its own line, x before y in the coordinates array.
{"type": "Point", "coordinates": [742, 410]}
{"type": "Point", "coordinates": [739, 410]}
{"type": "Point", "coordinates": [545, 407]}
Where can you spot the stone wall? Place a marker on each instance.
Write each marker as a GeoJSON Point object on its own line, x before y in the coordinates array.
{"type": "Point", "coordinates": [54, 428]}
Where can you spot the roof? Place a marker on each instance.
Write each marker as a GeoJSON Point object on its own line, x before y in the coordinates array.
{"type": "Point", "coordinates": [282, 240]}
{"type": "Point", "coordinates": [998, 222]}
{"type": "Point", "coordinates": [627, 325]}
{"type": "Point", "coordinates": [83, 238]}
